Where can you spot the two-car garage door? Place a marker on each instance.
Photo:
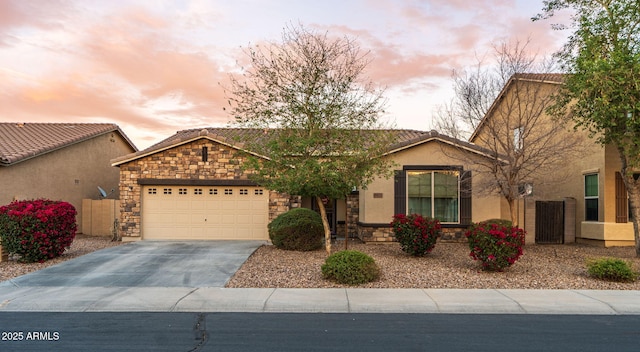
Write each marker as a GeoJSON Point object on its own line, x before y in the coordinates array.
{"type": "Point", "coordinates": [204, 213]}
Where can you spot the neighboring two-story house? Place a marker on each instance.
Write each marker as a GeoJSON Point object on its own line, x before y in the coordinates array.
{"type": "Point", "coordinates": [585, 184]}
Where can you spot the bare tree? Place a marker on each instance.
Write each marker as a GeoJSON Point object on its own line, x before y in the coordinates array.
{"type": "Point", "coordinates": [503, 109]}
{"type": "Point", "coordinates": [528, 146]}
{"type": "Point", "coordinates": [476, 88]}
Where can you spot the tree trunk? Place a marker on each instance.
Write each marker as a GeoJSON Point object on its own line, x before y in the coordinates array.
{"type": "Point", "coordinates": [513, 211]}
{"type": "Point", "coordinates": [325, 224]}
{"type": "Point", "coordinates": [346, 222]}
{"type": "Point", "coordinates": [633, 190]}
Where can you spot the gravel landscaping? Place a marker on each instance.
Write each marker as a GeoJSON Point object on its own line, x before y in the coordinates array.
{"type": "Point", "coordinates": [448, 266]}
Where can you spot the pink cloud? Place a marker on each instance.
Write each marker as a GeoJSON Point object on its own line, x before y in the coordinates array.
{"type": "Point", "coordinates": [37, 13]}
{"type": "Point", "coordinates": [127, 68]}
{"type": "Point", "coordinates": [391, 66]}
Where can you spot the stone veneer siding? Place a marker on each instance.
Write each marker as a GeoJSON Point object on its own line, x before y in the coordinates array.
{"type": "Point", "coordinates": [382, 233]}
{"type": "Point", "coordinates": [184, 163]}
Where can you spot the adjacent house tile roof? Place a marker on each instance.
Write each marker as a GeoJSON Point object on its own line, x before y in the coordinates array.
{"type": "Point", "coordinates": [22, 141]}
{"type": "Point", "coordinates": [541, 77]}
{"type": "Point", "coordinates": [404, 139]}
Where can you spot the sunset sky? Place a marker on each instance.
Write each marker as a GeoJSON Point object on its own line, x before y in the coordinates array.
{"type": "Point", "coordinates": [156, 66]}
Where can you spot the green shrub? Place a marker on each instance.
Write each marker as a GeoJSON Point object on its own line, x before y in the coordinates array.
{"type": "Point", "coordinates": [611, 269]}
{"type": "Point", "coordinates": [299, 229]}
{"type": "Point", "coordinates": [496, 244]}
{"type": "Point", "coordinates": [501, 222]}
{"type": "Point", "coordinates": [37, 230]}
{"type": "Point", "coordinates": [417, 235]}
{"type": "Point", "coordinates": [350, 268]}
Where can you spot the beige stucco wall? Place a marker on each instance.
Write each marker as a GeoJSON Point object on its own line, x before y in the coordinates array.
{"type": "Point", "coordinates": [595, 159]}
{"type": "Point", "coordinates": [609, 234]}
{"type": "Point", "coordinates": [69, 174]}
{"type": "Point", "coordinates": [380, 209]}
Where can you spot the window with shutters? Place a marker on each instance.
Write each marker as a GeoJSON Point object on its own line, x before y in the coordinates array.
{"type": "Point", "coordinates": [443, 193]}
{"type": "Point", "coordinates": [434, 194]}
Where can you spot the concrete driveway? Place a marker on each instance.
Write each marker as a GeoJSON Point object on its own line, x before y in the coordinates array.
{"type": "Point", "coordinates": [147, 264]}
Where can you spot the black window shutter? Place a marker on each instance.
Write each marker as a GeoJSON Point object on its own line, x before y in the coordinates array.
{"type": "Point", "coordinates": [465, 198]}
{"type": "Point", "coordinates": [400, 192]}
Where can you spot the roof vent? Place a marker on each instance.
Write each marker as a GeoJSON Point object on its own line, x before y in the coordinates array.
{"type": "Point", "coordinates": [204, 132]}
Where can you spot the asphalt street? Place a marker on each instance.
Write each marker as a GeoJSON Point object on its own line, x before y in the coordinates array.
{"type": "Point", "coordinates": [315, 332]}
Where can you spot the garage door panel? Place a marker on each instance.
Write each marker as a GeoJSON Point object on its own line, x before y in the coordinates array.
{"type": "Point", "coordinates": [258, 220]}
{"type": "Point", "coordinates": [182, 204]}
{"type": "Point", "coordinates": [199, 213]}
{"type": "Point", "coordinates": [244, 204]}
{"type": "Point", "coordinates": [229, 220]}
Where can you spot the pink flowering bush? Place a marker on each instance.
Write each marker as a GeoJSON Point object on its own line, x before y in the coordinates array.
{"type": "Point", "coordinates": [417, 235]}
{"type": "Point", "coordinates": [495, 243]}
{"type": "Point", "coordinates": [37, 230]}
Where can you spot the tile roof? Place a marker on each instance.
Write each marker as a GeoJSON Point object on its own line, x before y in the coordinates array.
{"type": "Point", "coordinates": [541, 77]}
{"type": "Point", "coordinates": [404, 138]}
{"type": "Point", "coordinates": [22, 141]}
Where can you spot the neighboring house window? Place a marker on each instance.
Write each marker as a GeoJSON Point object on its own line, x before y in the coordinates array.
{"type": "Point", "coordinates": [518, 142]}
{"type": "Point", "coordinates": [591, 197]}
{"type": "Point", "coordinates": [441, 192]}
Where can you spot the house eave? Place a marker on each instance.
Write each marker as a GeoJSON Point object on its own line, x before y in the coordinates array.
{"type": "Point", "coordinates": [135, 156]}
{"type": "Point", "coordinates": [443, 140]}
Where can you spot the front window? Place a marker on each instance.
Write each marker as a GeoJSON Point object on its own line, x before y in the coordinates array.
{"type": "Point", "coordinates": [591, 197]}
{"type": "Point", "coordinates": [435, 194]}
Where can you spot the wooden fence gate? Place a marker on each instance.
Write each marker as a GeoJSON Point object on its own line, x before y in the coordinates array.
{"type": "Point", "coordinates": [549, 222]}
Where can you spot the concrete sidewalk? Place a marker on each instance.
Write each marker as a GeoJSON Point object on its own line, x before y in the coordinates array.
{"type": "Point", "coordinates": [190, 277]}
{"type": "Point", "coordinates": [350, 300]}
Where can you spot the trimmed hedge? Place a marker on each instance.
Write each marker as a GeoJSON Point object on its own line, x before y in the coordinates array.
{"type": "Point", "coordinates": [37, 230]}
{"type": "Point", "coordinates": [350, 267]}
{"type": "Point", "coordinates": [299, 229]}
{"type": "Point", "coordinates": [611, 269]}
